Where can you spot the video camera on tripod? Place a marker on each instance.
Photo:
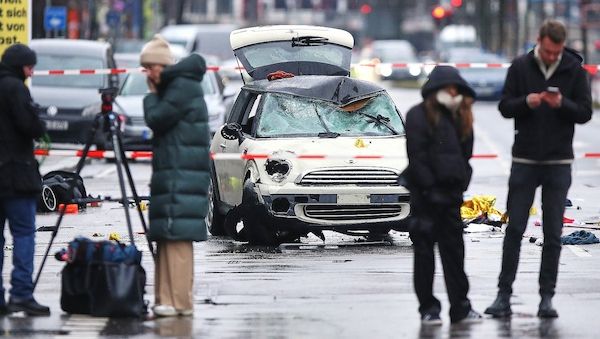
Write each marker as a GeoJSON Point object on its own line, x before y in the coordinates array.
{"type": "Point", "coordinates": [107, 96]}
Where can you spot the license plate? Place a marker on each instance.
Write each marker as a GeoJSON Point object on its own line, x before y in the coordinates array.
{"type": "Point", "coordinates": [57, 125]}
{"type": "Point", "coordinates": [353, 199]}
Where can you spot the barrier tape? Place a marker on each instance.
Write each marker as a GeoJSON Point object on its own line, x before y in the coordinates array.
{"type": "Point", "coordinates": [251, 156]}
{"type": "Point", "coordinates": [592, 69]}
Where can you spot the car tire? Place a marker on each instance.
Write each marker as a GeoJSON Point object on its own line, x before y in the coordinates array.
{"type": "Point", "coordinates": [215, 220]}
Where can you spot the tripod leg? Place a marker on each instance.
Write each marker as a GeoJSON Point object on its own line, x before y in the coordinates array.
{"type": "Point", "coordinates": [136, 197]}
{"type": "Point", "coordinates": [80, 163]}
{"type": "Point", "coordinates": [119, 163]}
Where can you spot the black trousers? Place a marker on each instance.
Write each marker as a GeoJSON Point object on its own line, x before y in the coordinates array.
{"type": "Point", "coordinates": [441, 224]}
{"type": "Point", "coordinates": [524, 179]}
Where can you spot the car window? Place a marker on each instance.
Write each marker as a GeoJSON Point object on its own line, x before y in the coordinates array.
{"type": "Point", "coordinates": [286, 115]}
{"type": "Point", "coordinates": [135, 84]}
{"type": "Point", "coordinates": [281, 52]}
{"type": "Point", "coordinates": [52, 62]}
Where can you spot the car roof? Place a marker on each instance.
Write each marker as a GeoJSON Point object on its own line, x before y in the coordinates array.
{"type": "Point", "coordinates": [69, 46]}
{"type": "Point", "coordinates": [256, 35]}
{"type": "Point", "coordinates": [340, 90]}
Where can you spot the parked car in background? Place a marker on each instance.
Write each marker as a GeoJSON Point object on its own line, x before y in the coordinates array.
{"type": "Point", "coordinates": [206, 39]}
{"type": "Point", "coordinates": [279, 194]}
{"type": "Point", "coordinates": [130, 108]}
{"type": "Point", "coordinates": [486, 82]}
{"type": "Point", "coordinates": [64, 97]}
{"type": "Point", "coordinates": [388, 52]}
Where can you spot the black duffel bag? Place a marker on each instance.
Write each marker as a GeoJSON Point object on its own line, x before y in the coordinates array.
{"type": "Point", "coordinates": [103, 279]}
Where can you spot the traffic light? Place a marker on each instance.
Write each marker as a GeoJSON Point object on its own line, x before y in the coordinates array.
{"type": "Point", "coordinates": [441, 15]}
{"type": "Point", "coordinates": [456, 3]}
{"type": "Point", "coordinates": [365, 9]}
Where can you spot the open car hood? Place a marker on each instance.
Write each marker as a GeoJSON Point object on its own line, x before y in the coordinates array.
{"type": "Point", "coordinates": [297, 49]}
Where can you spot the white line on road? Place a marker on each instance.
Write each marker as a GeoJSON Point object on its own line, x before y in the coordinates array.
{"type": "Point", "coordinates": [483, 136]}
{"type": "Point", "coordinates": [106, 172]}
{"type": "Point", "coordinates": [578, 251]}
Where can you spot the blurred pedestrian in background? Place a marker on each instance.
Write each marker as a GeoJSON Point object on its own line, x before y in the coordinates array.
{"type": "Point", "coordinates": [546, 92]}
{"type": "Point", "coordinates": [439, 141]}
{"type": "Point", "coordinates": [20, 181]}
{"type": "Point", "coordinates": [176, 112]}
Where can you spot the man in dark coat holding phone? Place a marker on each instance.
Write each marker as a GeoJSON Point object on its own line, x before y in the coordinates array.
{"type": "Point", "coordinates": [546, 92]}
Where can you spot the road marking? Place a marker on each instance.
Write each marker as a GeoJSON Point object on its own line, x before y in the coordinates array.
{"type": "Point", "coordinates": [106, 172]}
{"type": "Point", "coordinates": [578, 251]}
{"type": "Point", "coordinates": [483, 136]}
{"type": "Point", "coordinates": [83, 326]}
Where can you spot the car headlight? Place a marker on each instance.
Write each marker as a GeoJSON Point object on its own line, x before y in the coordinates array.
{"type": "Point", "coordinates": [414, 70]}
{"type": "Point", "coordinates": [91, 110]}
{"type": "Point", "coordinates": [385, 70]}
{"type": "Point", "coordinates": [278, 169]}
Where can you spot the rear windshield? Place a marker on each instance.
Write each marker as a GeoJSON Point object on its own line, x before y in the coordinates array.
{"type": "Point", "coordinates": [291, 116]}
{"type": "Point", "coordinates": [47, 62]}
{"type": "Point", "coordinates": [135, 84]}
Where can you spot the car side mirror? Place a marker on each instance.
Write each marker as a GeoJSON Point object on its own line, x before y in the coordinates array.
{"type": "Point", "coordinates": [232, 131]}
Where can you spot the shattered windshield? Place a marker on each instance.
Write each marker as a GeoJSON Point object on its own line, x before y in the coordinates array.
{"type": "Point", "coordinates": [291, 116]}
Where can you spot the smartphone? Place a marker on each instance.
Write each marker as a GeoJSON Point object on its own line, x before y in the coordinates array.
{"type": "Point", "coordinates": [552, 89]}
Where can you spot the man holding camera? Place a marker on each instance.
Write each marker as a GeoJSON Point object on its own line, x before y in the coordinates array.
{"type": "Point", "coordinates": [546, 92]}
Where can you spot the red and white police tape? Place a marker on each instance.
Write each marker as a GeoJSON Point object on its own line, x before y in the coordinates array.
{"type": "Point", "coordinates": [250, 156]}
{"type": "Point", "coordinates": [591, 68]}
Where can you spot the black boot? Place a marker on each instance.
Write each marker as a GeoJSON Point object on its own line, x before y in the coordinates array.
{"type": "Point", "coordinates": [546, 310]}
{"type": "Point", "coordinates": [500, 308]}
{"type": "Point", "coordinates": [30, 307]}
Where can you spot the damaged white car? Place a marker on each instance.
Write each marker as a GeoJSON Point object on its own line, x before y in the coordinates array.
{"type": "Point", "coordinates": [306, 148]}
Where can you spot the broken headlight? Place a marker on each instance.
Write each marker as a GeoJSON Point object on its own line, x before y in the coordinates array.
{"type": "Point", "coordinates": [278, 169]}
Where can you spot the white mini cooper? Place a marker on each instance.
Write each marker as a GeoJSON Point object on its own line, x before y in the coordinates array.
{"type": "Point", "coordinates": [306, 148]}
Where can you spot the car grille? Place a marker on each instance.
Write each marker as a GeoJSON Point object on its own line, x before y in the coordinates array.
{"type": "Point", "coordinates": [351, 176]}
{"type": "Point", "coordinates": [352, 212]}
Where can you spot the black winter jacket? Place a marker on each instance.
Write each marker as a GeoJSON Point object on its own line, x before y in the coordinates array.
{"type": "Point", "coordinates": [545, 133]}
{"type": "Point", "coordinates": [19, 126]}
{"type": "Point", "coordinates": [438, 161]}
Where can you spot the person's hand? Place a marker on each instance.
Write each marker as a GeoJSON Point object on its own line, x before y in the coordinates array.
{"type": "Point", "coordinates": [553, 99]}
{"type": "Point", "coordinates": [534, 100]}
{"type": "Point", "coordinates": [151, 85]}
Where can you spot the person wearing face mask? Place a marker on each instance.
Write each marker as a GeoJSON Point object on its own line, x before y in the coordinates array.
{"type": "Point", "coordinates": [547, 93]}
{"type": "Point", "coordinates": [176, 112]}
{"type": "Point", "coordinates": [439, 142]}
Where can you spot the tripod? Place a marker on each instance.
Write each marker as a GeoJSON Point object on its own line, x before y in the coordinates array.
{"type": "Point", "coordinates": [111, 126]}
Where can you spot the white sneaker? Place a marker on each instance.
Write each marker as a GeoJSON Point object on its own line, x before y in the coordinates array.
{"type": "Point", "coordinates": [186, 312]}
{"type": "Point", "coordinates": [164, 310]}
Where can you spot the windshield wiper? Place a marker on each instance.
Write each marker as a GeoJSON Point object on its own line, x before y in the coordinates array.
{"type": "Point", "coordinates": [309, 40]}
{"type": "Point", "coordinates": [328, 134]}
{"type": "Point", "coordinates": [380, 119]}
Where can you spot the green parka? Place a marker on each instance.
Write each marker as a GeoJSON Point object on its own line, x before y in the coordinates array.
{"type": "Point", "coordinates": [178, 117]}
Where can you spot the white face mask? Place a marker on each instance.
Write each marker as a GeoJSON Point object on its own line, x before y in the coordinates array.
{"type": "Point", "coordinates": [448, 101]}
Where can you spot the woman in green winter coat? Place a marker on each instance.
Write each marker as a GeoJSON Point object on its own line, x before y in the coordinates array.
{"type": "Point", "coordinates": [176, 112]}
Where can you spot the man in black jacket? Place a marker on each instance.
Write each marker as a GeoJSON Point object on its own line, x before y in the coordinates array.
{"type": "Point", "coordinates": [20, 181]}
{"type": "Point", "coordinates": [546, 92]}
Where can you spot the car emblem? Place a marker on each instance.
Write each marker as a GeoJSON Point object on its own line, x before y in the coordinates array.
{"type": "Point", "coordinates": [52, 111]}
{"type": "Point", "coordinates": [350, 161]}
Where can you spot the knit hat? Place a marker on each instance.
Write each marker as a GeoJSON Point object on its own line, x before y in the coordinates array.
{"type": "Point", "coordinates": [442, 76]}
{"type": "Point", "coordinates": [19, 55]}
{"type": "Point", "coordinates": [156, 51]}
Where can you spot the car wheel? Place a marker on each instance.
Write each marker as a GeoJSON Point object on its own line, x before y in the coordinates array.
{"type": "Point", "coordinates": [215, 220]}
{"type": "Point", "coordinates": [258, 225]}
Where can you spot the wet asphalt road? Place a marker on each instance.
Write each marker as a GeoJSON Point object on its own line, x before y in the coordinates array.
{"type": "Point", "coordinates": [351, 288]}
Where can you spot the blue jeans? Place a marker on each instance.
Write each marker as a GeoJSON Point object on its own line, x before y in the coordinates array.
{"type": "Point", "coordinates": [20, 213]}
